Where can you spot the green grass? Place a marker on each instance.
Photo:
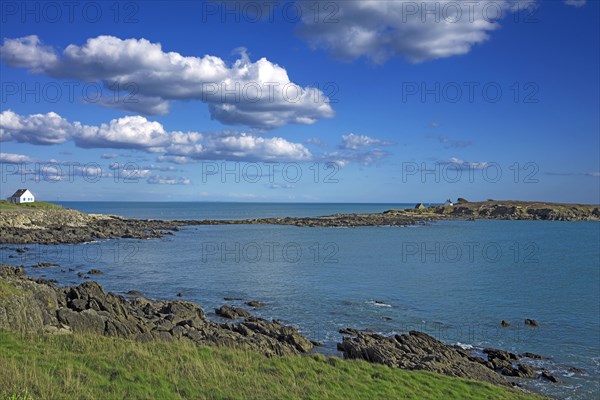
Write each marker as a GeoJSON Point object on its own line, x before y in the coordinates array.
{"type": "Point", "coordinates": [8, 205]}
{"type": "Point", "coordinates": [6, 289]}
{"type": "Point", "coordinates": [91, 367]}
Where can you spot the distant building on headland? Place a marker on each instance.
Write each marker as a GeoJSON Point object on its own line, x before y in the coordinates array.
{"type": "Point", "coordinates": [22, 196]}
{"type": "Point", "coordinates": [448, 203]}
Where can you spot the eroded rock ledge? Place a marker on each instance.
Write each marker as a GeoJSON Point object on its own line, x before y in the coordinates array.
{"type": "Point", "coordinates": [31, 306]}
{"type": "Point", "coordinates": [419, 351]}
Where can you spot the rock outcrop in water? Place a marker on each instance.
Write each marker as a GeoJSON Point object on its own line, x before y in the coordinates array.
{"type": "Point", "coordinates": [419, 351]}
{"type": "Point", "coordinates": [31, 306]}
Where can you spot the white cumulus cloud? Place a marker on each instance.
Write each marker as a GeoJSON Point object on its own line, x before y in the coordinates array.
{"type": "Point", "coordinates": [138, 133]}
{"type": "Point", "coordinates": [43, 129]}
{"type": "Point", "coordinates": [416, 30]}
{"type": "Point", "coordinates": [575, 3]}
{"type": "Point", "coordinates": [353, 141]}
{"type": "Point", "coordinates": [11, 158]}
{"type": "Point", "coordinates": [257, 94]}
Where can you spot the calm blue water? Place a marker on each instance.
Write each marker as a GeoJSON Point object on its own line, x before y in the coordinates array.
{"type": "Point", "coordinates": [454, 280]}
{"type": "Point", "coordinates": [217, 210]}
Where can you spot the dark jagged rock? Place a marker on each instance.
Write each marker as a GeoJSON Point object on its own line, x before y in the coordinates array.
{"type": "Point", "coordinates": [95, 272]}
{"type": "Point", "coordinates": [531, 322]}
{"type": "Point", "coordinates": [416, 351]}
{"type": "Point", "coordinates": [135, 293]}
{"type": "Point", "coordinates": [419, 351]}
{"type": "Point", "coordinates": [349, 331]}
{"type": "Point", "coordinates": [522, 371]}
{"type": "Point", "coordinates": [45, 265]}
{"type": "Point", "coordinates": [533, 356]}
{"type": "Point", "coordinates": [549, 377]}
{"type": "Point", "coordinates": [232, 312]}
{"type": "Point", "coordinates": [500, 354]}
{"type": "Point", "coordinates": [577, 370]}
{"type": "Point", "coordinates": [504, 324]}
{"type": "Point", "coordinates": [255, 304]}
{"type": "Point", "coordinates": [37, 307]}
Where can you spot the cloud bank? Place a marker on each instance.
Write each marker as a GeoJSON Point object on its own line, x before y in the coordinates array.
{"type": "Point", "coordinates": [256, 94]}
{"type": "Point", "coordinates": [138, 133]}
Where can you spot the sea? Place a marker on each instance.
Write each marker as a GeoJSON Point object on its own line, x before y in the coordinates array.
{"type": "Point", "coordinates": [455, 280]}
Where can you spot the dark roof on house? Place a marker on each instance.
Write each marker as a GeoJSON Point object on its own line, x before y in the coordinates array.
{"type": "Point", "coordinates": [19, 193]}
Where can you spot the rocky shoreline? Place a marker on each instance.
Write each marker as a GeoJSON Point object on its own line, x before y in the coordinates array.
{"type": "Point", "coordinates": [37, 306]}
{"type": "Point", "coordinates": [58, 225]}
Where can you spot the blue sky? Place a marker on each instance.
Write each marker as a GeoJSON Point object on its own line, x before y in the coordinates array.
{"type": "Point", "coordinates": [353, 101]}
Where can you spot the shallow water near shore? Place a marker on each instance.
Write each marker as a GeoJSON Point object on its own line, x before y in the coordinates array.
{"type": "Point", "coordinates": [453, 279]}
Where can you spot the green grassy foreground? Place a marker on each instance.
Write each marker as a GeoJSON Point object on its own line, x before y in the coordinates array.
{"type": "Point", "coordinates": [43, 205]}
{"type": "Point", "coordinates": [92, 367]}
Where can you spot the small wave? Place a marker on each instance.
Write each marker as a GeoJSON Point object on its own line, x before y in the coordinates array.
{"type": "Point", "coordinates": [378, 304]}
{"type": "Point", "coordinates": [465, 346]}
{"type": "Point", "coordinates": [93, 241]}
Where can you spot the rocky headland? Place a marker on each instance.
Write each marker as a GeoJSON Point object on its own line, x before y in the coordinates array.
{"type": "Point", "coordinates": [505, 210]}
{"type": "Point", "coordinates": [27, 305]}
{"type": "Point", "coordinates": [22, 225]}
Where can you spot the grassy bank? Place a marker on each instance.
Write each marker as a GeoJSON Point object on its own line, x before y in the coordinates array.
{"type": "Point", "coordinates": [41, 205]}
{"type": "Point", "coordinates": [90, 367]}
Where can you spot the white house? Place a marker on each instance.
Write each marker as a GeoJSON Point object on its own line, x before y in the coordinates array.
{"type": "Point", "coordinates": [22, 196]}
{"type": "Point", "coordinates": [448, 203]}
